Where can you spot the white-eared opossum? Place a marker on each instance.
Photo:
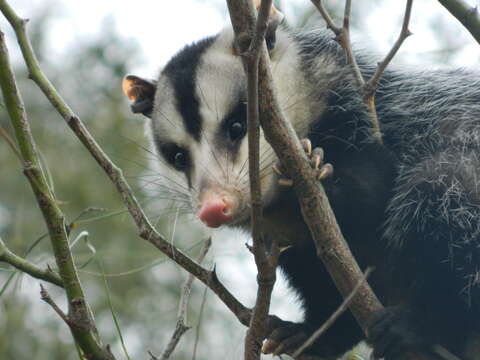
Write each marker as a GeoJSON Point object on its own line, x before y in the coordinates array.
{"type": "Point", "coordinates": [410, 207]}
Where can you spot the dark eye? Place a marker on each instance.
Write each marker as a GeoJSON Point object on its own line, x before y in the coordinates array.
{"type": "Point", "coordinates": [237, 130]}
{"type": "Point", "coordinates": [180, 160]}
{"type": "Point", "coordinates": [175, 155]}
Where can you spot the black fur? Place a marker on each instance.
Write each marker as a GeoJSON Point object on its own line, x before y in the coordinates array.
{"type": "Point", "coordinates": [411, 207]}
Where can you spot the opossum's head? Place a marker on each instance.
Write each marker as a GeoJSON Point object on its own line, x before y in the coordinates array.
{"type": "Point", "coordinates": [199, 126]}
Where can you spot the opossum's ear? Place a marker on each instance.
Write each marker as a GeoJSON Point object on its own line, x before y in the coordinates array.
{"type": "Point", "coordinates": [141, 92]}
{"type": "Point", "coordinates": [275, 19]}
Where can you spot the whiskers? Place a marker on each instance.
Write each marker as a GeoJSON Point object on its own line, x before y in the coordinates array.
{"type": "Point", "coordinates": [267, 159]}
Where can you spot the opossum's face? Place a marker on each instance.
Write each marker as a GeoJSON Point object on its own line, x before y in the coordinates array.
{"type": "Point", "coordinates": [199, 127]}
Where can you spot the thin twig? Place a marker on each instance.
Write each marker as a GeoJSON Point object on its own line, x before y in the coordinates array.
{"type": "Point", "coordinates": [145, 229]}
{"type": "Point", "coordinates": [266, 264]}
{"type": "Point", "coordinates": [345, 42]}
{"type": "Point", "coordinates": [27, 267]}
{"type": "Point", "coordinates": [46, 297]}
{"type": "Point", "coordinates": [326, 16]}
{"type": "Point", "coordinates": [341, 309]}
{"type": "Point", "coordinates": [199, 323]}
{"type": "Point", "coordinates": [372, 83]}
{"type": "Point", "coordinates": [369, 87]}
{"type": "Point", "coordinates": [81, 322]}
{"type": "Point", "coordinates": [10, 142]}
{"type": "Point", "coordinates": [331, 246]}
{"type": "Point", "coordinates": [152, 357]}
{"type": "Point", "coordinates": [182, 326]}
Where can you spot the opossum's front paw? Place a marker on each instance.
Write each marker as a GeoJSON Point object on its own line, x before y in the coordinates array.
{"type": "Point", "coordinates": [286, 338]}
{"type": "Point", "coordinates": [316, 156]}
{"type": "Point", "coordinates": [392, 332]}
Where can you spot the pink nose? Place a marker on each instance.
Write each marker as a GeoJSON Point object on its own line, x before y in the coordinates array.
{"type": "Point", "coordinates": [215, 212]}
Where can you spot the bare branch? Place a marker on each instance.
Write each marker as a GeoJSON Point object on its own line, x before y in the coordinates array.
{"type": "Point", "coordinates": [199, 324]}
{"type": "Point", "coordinates": [344, 40]}
{"type": "Point", "coordinates": [181, 326]}
{"type": "Point", "coordinates": [145, 229]}
{"type": "Point", "coordinates": [330, 244]}
{"type": "Point", "coordinates": [341, 309]}
{"type": "Point", "coordinates": [326, 16]}
{"type": "Point", "coordinates": [46, 297]}
{"type": "Point", "coordinates": [180, 329]}
{"type": "Point", "coordinates": [152, 357]}
{"type": "Point", "coordinates": [27, 267]}
{"type": "Point", "coordinates": [266, 264]}
{"type": "Point", "coordinates": [316, 210]}
{"type": "Point", "coordinates": [10, 142]}
{"type": "Point", "coordinates": [82, 325]}
{"type": "Point", "coordinates": [372, 84]}
{"type": "Point", "coordinates": [343, 37]}
{"type": "Point", "coordinates": [466, 14]}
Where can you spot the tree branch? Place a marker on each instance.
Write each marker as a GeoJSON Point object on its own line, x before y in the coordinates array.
{"type": "Point", "coordinates": [266, 265]}
{"type": "Point", "coordinates": [145, 229]}
{"type": "Point", "coordinates": [27, 267]}
{"type": "Point", "coordinates": [372, 84]}
{"type": "Point", "coordinates": [316, 210]}
{"type": "Point", "coordinates": [326, 325]}
{"type": "Point", "coordinates": [344, 40]}
{"type": "Point", "coordinates": [46, 297]}
{"type": "Point", "coordinates": [369, 87]}
{"type": "Point", "coordinates": [326, 16]}
{"type": "Point", "coordinates": [181, 326]}
{"type": "Point", "coordinates": [466, 14]}
{"type": "Point", "coordinates": [331, 246]}
{"type": "Point", "coordinates": [82, 325]}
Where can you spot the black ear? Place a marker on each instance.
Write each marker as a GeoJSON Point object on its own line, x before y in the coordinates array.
{"type": "Point", "coordinates": [141, 92]}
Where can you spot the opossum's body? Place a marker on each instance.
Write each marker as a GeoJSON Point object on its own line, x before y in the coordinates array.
{"type": "Point", "coordinates": [411, 207]}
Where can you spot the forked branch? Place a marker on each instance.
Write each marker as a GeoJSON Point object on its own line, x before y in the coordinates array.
{"type": "Point", "coordinates": [27, 267]}
{"type": "Point", "coordinates": [342, 35]}
{"type": "Point", "coordinates": [80, 320]}
{"type": "Point", "coordinates": [330, 244]}
{"type": "Point", "coordinates": [182, 327]}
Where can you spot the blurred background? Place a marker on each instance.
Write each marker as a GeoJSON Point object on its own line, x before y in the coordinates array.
{"type": "Point", "coordinates": [86, 47]}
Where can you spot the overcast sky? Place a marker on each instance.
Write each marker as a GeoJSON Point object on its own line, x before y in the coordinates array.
{"type": "Point", "coordinates": [163, 27]}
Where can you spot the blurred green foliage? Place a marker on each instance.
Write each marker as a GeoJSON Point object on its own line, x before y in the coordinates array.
{"type": "Point", "coordinates": [89, 78]}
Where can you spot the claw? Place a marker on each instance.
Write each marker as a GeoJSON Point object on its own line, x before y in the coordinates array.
{"type": "Point", "coordinates": [307, 146]}
{"type": "Point", "coordinates": [291, 343]}
{"type": "Point", "coordinates": [285, 182]}
{"type": "Point", "coordinates": [269, 346]}
{"type": "Point", "coordinates": [318, 155]}
{"type": "Point", "coordinates": [325, 172]}
{"type": "Point", "coordinates": [315, 161]}
{"type": "Point", "coordinates": [276, 169]}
